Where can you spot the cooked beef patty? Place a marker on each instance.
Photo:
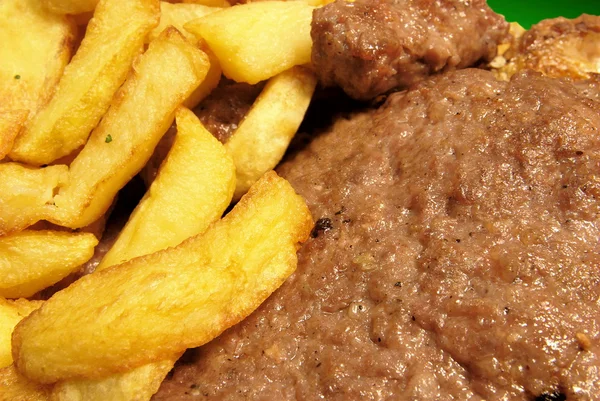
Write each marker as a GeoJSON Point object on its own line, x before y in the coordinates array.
{"type": "Point", "coordinates": [368, 47]}
{"type": "Point", "coordinates": [455, 257]}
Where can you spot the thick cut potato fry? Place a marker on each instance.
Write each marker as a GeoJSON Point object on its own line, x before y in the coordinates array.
{"type": "Point", "coordinates": [113, 39]}
{"type": "Point", "coordinates": [211, 81]}
{"type": "Point", "coordinates": [193, 188]}
{"type": "Point", "coordinates": [35, 47]}
{"type": "Point", "coordinates": [123, 142]}
{"type": "Point", "coordinates": [15, 387]}
{"type": "Point", "coordinates": [139, 384]}
{"type": "Point", "coordinates": [209, 3]}
{"type": "Point", "coordinates": [257, 41]}
{"type": "Point", "coordinates": [26, 194]}
{"type": "Point", "coordinates": [261, 139]}
{"type": "Point", "coordinates": [32, 260]}
{"type": "Point", "coordinates": [70, 6]}
{"type": "Point", "coordinates": [11, 123]}
{"type": "Point", "coordinates": [11, 313]}
{"type": "Point", "coordinates": [154, 307]}
{"type": "Point", "coordinates": [178, 15]}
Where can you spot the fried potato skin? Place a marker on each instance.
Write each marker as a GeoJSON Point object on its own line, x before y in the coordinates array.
{"type": "Point", "coordinates": [15, 387]}
{"type": "Point", "coordinates": [257, 41]}
{"type": "Point", "coordinates": [11, 313]}
{"type": "Point", "coordinates": [177, 15]}
{"type": "Point", "coordinates": [26, 194]}
{"type": "Point", "coordinates": [141, 113]}
{"type": "Point", "coordinates": [194, 186]}
{"type": "Point", "coordinates": [262, 137]}
{"type": "Point", "coordinates": [32, 260]}
{"type": "Point", "coordinates": [70, 6]}
{"type": "Point", "coordinates": [210, 82]}
{"type": "Point", "coordinates": [33, 60]}
{"type": "Point", "coordinates": [11, 123]}
{"type": "Point", "coordinates": [209, 3]}
{"type": "Point", "coordinates": [147, 309]}
{"type": "Point", "coordinates": [114, 38]}
{"type": "Point", "coordinates": [139, 384]}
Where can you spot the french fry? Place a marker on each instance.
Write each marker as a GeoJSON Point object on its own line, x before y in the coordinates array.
{"type": "Point", "coordinates": [36, 47]}
{"type": "Point", "coordinates": [70, 6]}
{"type": "Point", "coordinates": [194, 186]}
{"type": "Point", "coordinates": [11, 313]}
{"type": "Point", "coordinates": [15, 387]}
{"type": "Point", "coordinates": [11, 123]}
{"type": "Point", "coordinates": [141, 113]}
{"type": "Point", "coordinates": [139, 384]}
{"type": "Point", "coordinates": [262, 137]}
{"type": "Point", "coordinates": [26, 194]}
{"type": "Point", "coordinates": [114, 37]}
{"type": "Point", "coordinates": [209, 3]}
{"type": "Point", "coordinates": [153, 307]}
{"type": "Point", "coordinates": [177, 15]}
{"type": "Point", "coordinates": [32, 260]}
{"type": "Point", "coordinates": [257, 41]}
{"type": "Point", "coordinates": [213, 76]}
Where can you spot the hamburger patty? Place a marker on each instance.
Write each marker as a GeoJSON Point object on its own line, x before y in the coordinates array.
{"type": "Point", "coordinates": [368, 47]}
{"type": "Point", "coordinates": [455, 255]}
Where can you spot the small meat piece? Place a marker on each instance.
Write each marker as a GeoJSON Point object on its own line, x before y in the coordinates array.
{"type": "Point", "coordinates": [558, 47]}
{"type": "Point", "coordinates": [369, 47]}
{"type": "Point", "coordinates": [224, 108]}
{"type": "Point", "coordinates": [456, 256]}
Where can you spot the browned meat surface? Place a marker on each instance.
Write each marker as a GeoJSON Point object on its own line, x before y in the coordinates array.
{"type": "Point", "coordinates": [369, 47]}
{"type": "Point", "coordinates": [455, 258]}
{"type": "Point", "coordinates": [558, 48]}
{"type": "Point", "coordinates": [224, 108]}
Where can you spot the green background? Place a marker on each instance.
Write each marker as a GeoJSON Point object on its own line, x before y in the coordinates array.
{"type": "Point", "coordinates": [527, 12]}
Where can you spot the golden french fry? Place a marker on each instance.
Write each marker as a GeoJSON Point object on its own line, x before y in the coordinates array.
{"type": "Point", "coordinates": [70, 6]}
{"type": "Point", "coordinates": [193, 188]}
{"type": "Point", "coordinates": [32, 260]}
{"type": "Point", "coordinates": [153, 307]}
{"type": "Point", "coordinates": [11, 313]}
{"type": "Point", "coordinates": [262, 137]}
{"type": "Point", "coordinates": [26, 194]}
{"type": "Point", "coordinates": [213, 76]}
{"type": "Point", "coordinates": [177, 15]}
{"type": "Point", "coordinates": [257, 41]}
{"type": "Point", "coordinates": [15, 387]}
{"type": "Point", "coordinates": [114, 37]}
{"type": "Point", "coordinates": [123, 142]}
{"type": "Point", "coordinates": [35, 47]}
{"type": "Point", "coordinates": [11, 123]}
{"type": "Point", "coordinates": [139, 384]}
{"type": "Point", "coordinates": [209, 3]}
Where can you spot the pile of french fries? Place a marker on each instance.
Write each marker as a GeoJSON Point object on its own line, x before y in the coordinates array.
{"type": "Point", "coordinates": [87, 90]}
